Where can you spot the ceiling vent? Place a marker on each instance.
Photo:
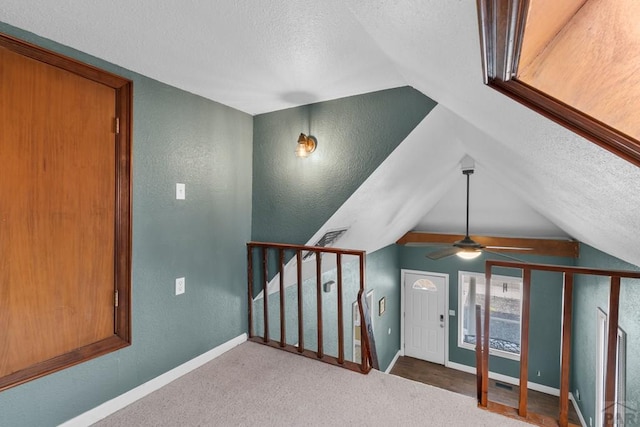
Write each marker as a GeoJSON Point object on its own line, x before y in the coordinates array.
{"type": "Point", "coordinates": [328, 239]}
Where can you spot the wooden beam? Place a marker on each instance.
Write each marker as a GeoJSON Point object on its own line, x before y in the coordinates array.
{"type": "Point", "coordinates": [522, 245]}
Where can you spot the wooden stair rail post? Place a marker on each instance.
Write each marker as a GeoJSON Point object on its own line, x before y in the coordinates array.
{"type": "Point", "coordinates": [612, 351]}
{"type": "Point", "coordinates": [479, 351]}
{"type": "Point", "coordinates": [340, 314]}
{"type": "Point", "coordinates": [250, 293]}
{"type": "Point", "coordinates": [319, 300]}
{"type": "Point", "coordinates": [524, 341]}
{"type": "Point", "coordinates": [567, 313]}
{"type": "Point", "coordinates": [369, 354]}
{"type": "Point", "coordinates": [283, 320]}
{"type": "Point", "coordinates": [300, 320]}
{"type": "Point", "coordinates": [485, 339]}
{"type": "Point", "coordinates": [265, 290]}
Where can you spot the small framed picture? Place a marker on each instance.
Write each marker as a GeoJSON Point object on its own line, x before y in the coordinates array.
{"type": "Point", "coordinates": [381, 306]}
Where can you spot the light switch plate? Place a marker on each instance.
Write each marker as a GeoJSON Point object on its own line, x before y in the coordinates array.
{"type": "Point", "coordinates": [180, 286]}
{"type": "Point", "coordinates": [181, 191]}
{"type": "Point", "coordinates": [452, 312]}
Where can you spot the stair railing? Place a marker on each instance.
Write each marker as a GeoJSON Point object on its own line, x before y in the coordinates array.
{"type": "Point", "coordinates": [368, 358]}
{"type": "Point", "coordinates": [482, 350]}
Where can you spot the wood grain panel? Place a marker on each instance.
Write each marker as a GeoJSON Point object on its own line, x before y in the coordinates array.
{"type": "Point", "coordinates": [545, 19]}
{"type": "Point", "coordinates": [600, 79]}
{"type": "Point", "coordinates": [57, 197]}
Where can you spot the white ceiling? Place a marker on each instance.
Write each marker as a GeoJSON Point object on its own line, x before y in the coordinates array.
{"type": "Point", "coordinates": [261, 56]}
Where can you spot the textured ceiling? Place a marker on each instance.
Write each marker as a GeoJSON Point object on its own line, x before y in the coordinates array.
{"type": "Point", "coordinates": [264, 56]}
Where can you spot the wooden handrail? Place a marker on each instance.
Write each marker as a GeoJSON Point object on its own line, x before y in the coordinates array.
{"type": "Point", "coordinates": [368, 350]}
{"type": "Point", "coordinates": [482, 352]}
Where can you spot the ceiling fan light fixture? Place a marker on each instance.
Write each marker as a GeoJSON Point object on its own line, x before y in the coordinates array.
{"type": "Point", "coordinates": [469, 254]}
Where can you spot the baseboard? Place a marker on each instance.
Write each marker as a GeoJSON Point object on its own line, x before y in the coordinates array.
{"type": "Point", "coordinates": [393, 362]}
{"type": "Point", "coordinates": [102, 411]}
{"type": "Point", "coordinates": [577, 408]}
{"type": "Point", "coordinates": [504, 378]}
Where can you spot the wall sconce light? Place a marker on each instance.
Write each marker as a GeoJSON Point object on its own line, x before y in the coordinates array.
{"type": "Point", "coordinates": [306, 145]}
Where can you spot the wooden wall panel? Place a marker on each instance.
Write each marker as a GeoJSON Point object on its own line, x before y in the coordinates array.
{"type": "Point", "coordinates": [601, 79]}
{"type": "Point", "coordinates": [64, 212]}
{"type": "Point", "coordinates": [545, 19]}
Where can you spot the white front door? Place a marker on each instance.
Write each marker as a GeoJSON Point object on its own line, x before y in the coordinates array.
{"type": "Point", "coordinates": [424, 327]}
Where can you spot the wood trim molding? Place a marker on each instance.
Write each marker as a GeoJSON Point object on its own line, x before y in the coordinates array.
{"type": "Point", "coordinates": [547, 247]}
{"type": "Point", "coordinates": [123, 89]}
{"type": "Point", "coordinates": [589, 128]}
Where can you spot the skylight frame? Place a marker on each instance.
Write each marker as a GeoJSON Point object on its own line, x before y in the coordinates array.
{"type": "Point", "coordinates": [501, 25]}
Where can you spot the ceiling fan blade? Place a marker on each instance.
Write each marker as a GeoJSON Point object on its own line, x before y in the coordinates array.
{"type": "Point", "coordinates": [443, 253]}
{"type": "Point", "coordinates": [508, 248]}
{"type": "Point", "coordinates": [506, 256]}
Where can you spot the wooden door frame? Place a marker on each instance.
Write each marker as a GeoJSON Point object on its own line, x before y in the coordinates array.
{"type": "Point", "coordinates": [403, 273]}
{"type": "Point", "coordinates": [123, 89]}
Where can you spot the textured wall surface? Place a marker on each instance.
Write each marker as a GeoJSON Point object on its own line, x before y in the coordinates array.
{"type": "Point", "coordinates": [293, 197]}
{"type": "Point", "coordinates": [546, 309]}
{"type": "Point", "coordinates": [383, 275]}
{"type": "Point", "coordinates": [590, 294]}
{"type": "Point", "coordinates": [178, 137]}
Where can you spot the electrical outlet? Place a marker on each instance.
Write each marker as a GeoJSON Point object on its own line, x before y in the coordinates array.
{"type": "Point", "coordinates": [181, 191]}
{"type": "Point", "coordinates": [538, 373]}
{"type": "Point", "coordinates": [389, 331]}
{"type": "Point", "coordinates": [577, 395]}
{"type": "Point", "coordinates": [590, 422]}
{"type": "Point", "coordinates": [180, 286]}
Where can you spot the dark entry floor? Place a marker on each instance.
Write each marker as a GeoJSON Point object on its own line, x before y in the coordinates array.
{"type": "Point", "coordinates": [464, 383]}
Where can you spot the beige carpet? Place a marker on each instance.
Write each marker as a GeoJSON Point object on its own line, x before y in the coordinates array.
{"type": "Point", "coordinates": [253, 385]}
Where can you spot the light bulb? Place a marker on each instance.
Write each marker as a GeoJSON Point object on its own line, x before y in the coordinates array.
{"type": "Point", "coordinates": [469, 254]}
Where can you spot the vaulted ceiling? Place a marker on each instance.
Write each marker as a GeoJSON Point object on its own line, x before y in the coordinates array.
{"type": "Point", "coordinates": [261, 56]}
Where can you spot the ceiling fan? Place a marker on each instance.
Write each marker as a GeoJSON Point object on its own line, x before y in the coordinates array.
{"type": "Point", "coordinates": [467, 248]}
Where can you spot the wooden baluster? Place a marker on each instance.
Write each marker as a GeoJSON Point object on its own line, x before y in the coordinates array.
{"type": "Point", "coordinates": [369, 354]}
{"type": "Point", "coordinates": [250, 282]}
{"type": "Point", "coordinates": [319, 300]}
{"type": "Point", "coordinates": [265, 293]}
{"type": "Point", "coordinates": [340, 317]}
{"type": "Point", "coordinates": [567, 308]}
{"type": "Point", "coordinates": [479, 351]}
{"type": "Point", "coordinates": [300, 320]}
{"type": "Point", "coordinates": [283, 327]}
{"type": "Point", "coordinates": [612, 351]}
{"type": "Point", "coordinates": [524, 341]}
{"type": "Point", "coordinates": [485, 339]}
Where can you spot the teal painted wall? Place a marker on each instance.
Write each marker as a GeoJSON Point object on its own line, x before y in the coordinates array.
{"type": "Point", "coordinates": [382, 276]}
{"type": "Point", "coordinates": [591, 293]}
{"type": "Point", "coordinates": [293, 197]}
{"type": "Point", "coordinates": [177, 137]}
{"type": "Point", "coordinates": [546, 310]}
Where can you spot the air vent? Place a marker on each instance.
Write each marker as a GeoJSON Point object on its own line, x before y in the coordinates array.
{"type": "Point", "coordinates": [329, 238]}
